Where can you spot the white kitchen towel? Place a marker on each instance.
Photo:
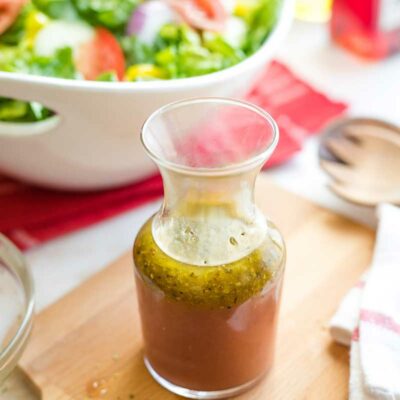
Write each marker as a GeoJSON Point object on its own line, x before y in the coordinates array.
{"type": "Point", "coordinates": [379, 326]}
{"type": "Point", "coordinates": [375, 304]}
{"type": "Point", "coordinates": [345, 320]}
{"type": "Point", "coordinates": [357, 388]}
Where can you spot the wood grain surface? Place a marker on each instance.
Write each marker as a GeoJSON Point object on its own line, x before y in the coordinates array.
{"type": "Point", "coordinates": [92, 338]}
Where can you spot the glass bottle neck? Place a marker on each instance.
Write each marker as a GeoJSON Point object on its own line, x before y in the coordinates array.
{"type": "Point", "coordinates": [208, 220]}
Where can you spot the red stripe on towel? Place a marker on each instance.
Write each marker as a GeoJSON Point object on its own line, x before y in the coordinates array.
{"type": "Point", "coordinates": [360, 285]}
{"type": "Point", "coordinates": [380, 320]}
{"type": "Point", "coordinates": [356, 335]}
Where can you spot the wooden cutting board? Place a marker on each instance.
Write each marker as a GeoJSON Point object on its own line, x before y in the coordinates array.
{"type": "Point", "coordinates": [91, 337]}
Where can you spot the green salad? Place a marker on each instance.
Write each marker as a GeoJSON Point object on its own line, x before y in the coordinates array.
{"type": "Point", "coordinates": [126, 40]}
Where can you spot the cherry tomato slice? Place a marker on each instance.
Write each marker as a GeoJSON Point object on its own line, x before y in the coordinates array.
{"type": "Point", "coordinates": [101, 54]}
{"type": "Point", "coordinates": [9, 11]}
{"type": "Point", "coordinates": [214, 9]}
{"type": "Point", "coordinates": [201, 14]}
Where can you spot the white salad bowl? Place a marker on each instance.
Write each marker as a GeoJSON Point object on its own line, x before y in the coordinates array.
{"type": "Point", "coordinates": [94, 140]}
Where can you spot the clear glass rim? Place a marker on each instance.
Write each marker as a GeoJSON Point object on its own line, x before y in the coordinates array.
{"type": "Point", "coordinates": [12, 351]}
{"type": "Point", "coordinates": [247, 164]}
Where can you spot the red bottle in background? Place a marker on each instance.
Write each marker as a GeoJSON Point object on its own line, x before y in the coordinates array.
{"type": "Point", "coordinates": [369, 28]}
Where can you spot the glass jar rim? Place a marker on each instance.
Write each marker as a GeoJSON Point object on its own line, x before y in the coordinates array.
{"type": "Point", "coordinates": [231, 169]}
{"type": "Point", "coordinates": [9, 356]}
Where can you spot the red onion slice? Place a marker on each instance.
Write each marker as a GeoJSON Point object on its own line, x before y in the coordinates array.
{"type": "Point", "coordinates": [148, 18]}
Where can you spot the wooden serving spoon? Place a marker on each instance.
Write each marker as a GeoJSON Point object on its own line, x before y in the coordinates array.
{"type": "Point", "coordinates": [370, 169]}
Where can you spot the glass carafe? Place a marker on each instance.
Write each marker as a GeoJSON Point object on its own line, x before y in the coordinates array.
{"type": "Point", "coordinates": [209, 265]}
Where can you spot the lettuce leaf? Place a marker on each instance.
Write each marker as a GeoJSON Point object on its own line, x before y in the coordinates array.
{"type": "Point", "coordinates": [60, 65]}
{"type": "Point", "coordinates": [135, 51]}
{"type": "Point", "coordinates": [112, 14]}
{"type": "Point", "coordinates": [15, 59]}
{"type": "Point", "coordinates": [109, 76]}
{"type": "Point", "coordinates": [261, 24]}
{"type": "Point", "coordinates": [20, 111]}
{"type": "Point", "coordinates": [11, 110]}
{"type": "Point", "coordinates": [184, 52]}
{"type": "Point", "coordinates": [57, 9]}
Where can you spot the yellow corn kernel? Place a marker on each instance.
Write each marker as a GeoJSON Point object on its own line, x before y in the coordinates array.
{"type": "Point", "coordinates": [35, 21]}
{"type": "Point", "coordinates": [243, 8]}
{"type": "Point", "coordinates": [144, 71]}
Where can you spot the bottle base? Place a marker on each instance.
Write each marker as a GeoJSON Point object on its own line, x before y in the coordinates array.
{"type": "Point", "coordinates": [199, 394]}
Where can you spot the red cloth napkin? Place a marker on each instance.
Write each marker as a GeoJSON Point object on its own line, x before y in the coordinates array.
{"type": "Point", "coordinates": [299, 109]}
{"type": "Point", "coordinates": [30, 215]}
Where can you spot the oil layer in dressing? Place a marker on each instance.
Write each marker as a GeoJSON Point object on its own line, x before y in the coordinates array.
{"type": "Point", "coordinates": [209, 236]}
